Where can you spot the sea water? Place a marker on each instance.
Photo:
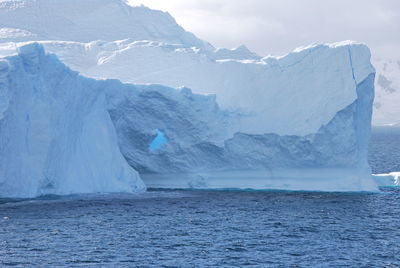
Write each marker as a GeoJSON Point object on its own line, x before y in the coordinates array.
{"type": "Point", "coordinates": [210, 228]}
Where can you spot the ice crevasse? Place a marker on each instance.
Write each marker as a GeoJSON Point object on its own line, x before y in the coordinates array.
{"type": "Point", "coordinates": [62, 133]}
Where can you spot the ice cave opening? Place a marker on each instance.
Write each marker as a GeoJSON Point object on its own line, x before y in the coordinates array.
{"type": "Point", "coordinates": [158, 142]}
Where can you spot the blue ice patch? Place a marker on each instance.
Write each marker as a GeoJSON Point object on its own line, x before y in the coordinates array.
{"type": "Point", "coordinates": [158, 141]}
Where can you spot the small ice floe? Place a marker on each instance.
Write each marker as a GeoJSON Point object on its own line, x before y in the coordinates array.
{"type": "Point", "coordinates": [390, 179]}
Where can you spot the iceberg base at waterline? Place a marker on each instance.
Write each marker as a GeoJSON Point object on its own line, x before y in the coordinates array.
{"type": "Point", "coordinates": [324, 180]}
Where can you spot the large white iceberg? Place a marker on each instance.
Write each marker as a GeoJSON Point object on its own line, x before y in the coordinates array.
{"type": "Point", "coordinates": [281, 133]}
{"type": "Point", "coordinates": [296, 122]}
{"type": "Point", "coordinates": [58, 137]}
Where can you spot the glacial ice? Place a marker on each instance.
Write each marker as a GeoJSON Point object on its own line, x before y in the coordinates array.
{"type": "Point", "coordinates": [296, 122]}
{"type": "Point", "coordinates": [391, 179]}
{"type": "Point", "coordinates": [59, 136]}
{"type": "Point", "coordinates": [56, 136]}
{"type": "Point", "coordinates": [205, 144]}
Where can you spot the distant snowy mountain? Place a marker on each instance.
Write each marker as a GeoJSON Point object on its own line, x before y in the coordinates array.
{"type": "Point", "coordinates": [387, 92]}
{"type": "Point", "coordinates": [88, 20]}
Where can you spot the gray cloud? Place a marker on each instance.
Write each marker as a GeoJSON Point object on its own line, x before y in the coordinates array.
{"type": "Point", "coordinates": [277, 27]}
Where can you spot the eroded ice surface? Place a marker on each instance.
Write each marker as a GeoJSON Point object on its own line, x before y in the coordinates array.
{"type": "Point", "coordinates": [56, 136]}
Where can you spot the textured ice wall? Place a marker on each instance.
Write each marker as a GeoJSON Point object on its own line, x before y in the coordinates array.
{"type": "Point", "coordinates": [200, 144]}
{"type": "Point", "coordinates": [56, 136]}
{"type": "Point", "coordinates": [296, 95]}
{"type": "Point", "coordinates": [311, 116]}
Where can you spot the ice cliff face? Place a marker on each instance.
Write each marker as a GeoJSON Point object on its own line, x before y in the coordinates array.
{"type": "Point", "coordinates": [56, 136]}
{"type": "Point", "coordinates": [204, 144]}
{"type": "Point", "coordinates": [256, 128]}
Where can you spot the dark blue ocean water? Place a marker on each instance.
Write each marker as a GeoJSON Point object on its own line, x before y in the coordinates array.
{"type": "Point", "coordinates": [210, 228]}
{"type": "Point", "coordinates": [384, 151]}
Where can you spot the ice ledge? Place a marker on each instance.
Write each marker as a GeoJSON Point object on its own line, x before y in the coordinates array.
{"type": "Point", "coordinates": [387, 180]}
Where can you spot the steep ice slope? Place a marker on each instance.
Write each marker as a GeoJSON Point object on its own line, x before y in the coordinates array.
{"type": "Point", "coordinates": [56, 136]}
{"type": "Point", "coordinates": [292, 95]}
{"type": "Point", "coordinates": [84, 21]}
{"type": "Point", "coordinates": [386, 106]}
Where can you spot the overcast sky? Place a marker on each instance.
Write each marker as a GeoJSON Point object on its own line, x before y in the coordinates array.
{"type": "Point", "coordinates": [278, 26]}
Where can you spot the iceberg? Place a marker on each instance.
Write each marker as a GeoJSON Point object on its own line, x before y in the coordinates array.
{"type": "Point", "coordinates": [62, 133]}
{"type": "Point", "coordinates": [214, 138]}
{"type": "Point", "coordinates": [387, 180]}
{"type": "Point", "coordinates": [225, 146]}
{"type": "Point", "coordinates": [173, 109]}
